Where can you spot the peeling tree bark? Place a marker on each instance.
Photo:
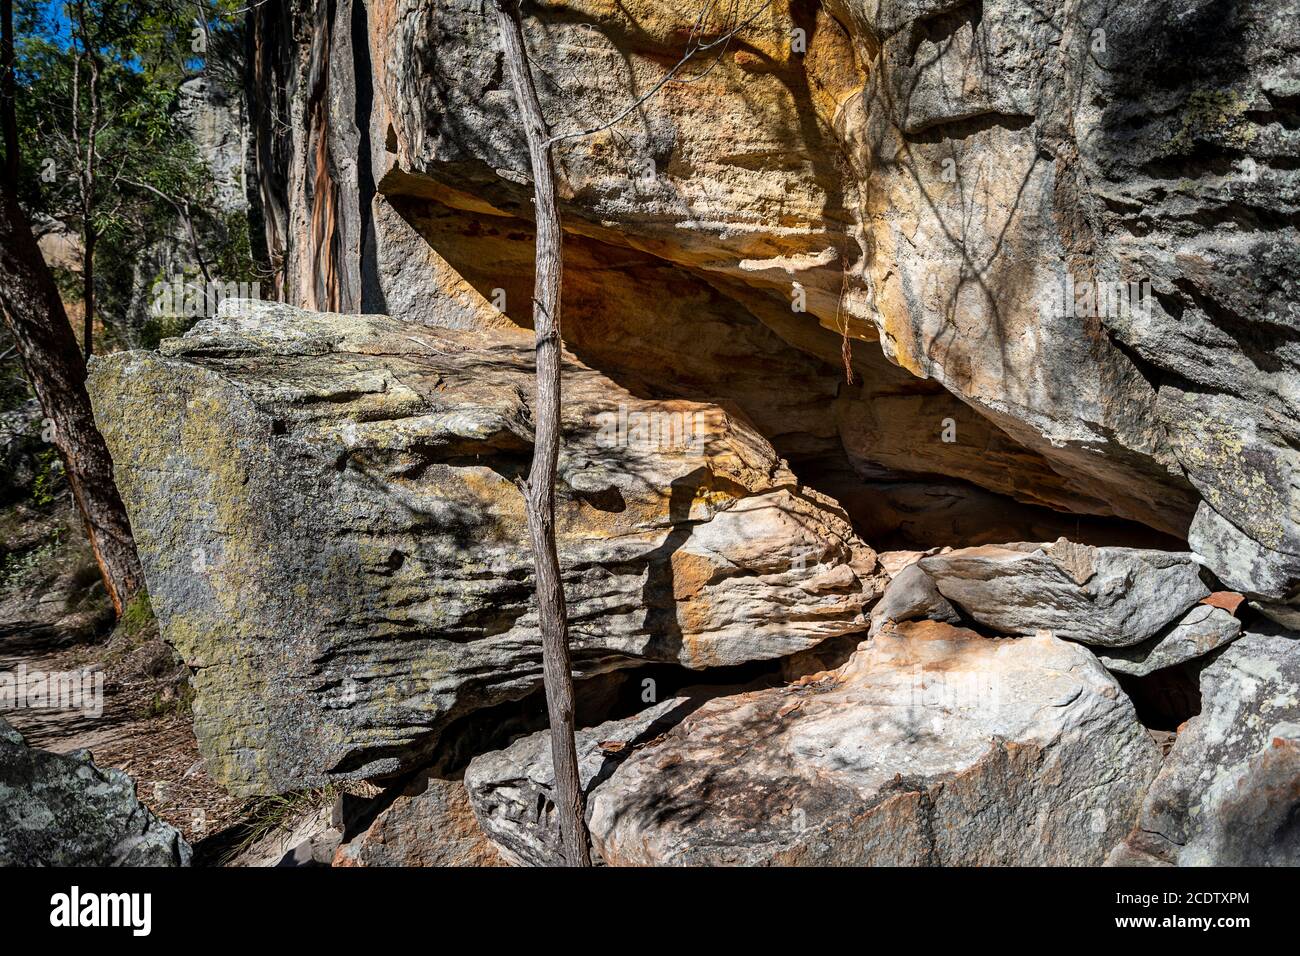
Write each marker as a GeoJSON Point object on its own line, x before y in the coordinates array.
{"type": "Point", "coordinates": [540, 487]}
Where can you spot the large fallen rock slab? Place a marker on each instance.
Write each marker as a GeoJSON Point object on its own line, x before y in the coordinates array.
{"type": "Point", "coordinates": [62, 810]}
{"type": "Point", "coordinates": [327, 513]}
{"type": "Point", "coordinates": [933, 745]}
{"type": "Point", "coordinates": [1199, 631]}
{"type": "Point", "coordinates": [1229, 791]}
{"type": "Point", "coordinates": [1107, 597]}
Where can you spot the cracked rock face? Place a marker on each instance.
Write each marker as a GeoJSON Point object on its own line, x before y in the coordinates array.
{"type": "Point", "coordinates": [932, 745]}
{"type": "Point", "coordinates": [1108, 597]}
{"type": "Point", "coordinates": [1010, 150]}
{"type": "Point", "coordinates": [942, 181]}
{"type": "Point", "coordinates": [1229, 791]}
{"type": "Point", "coordinates": [1199, 631]}
{"type": "Point", "coordinates": [326, 511]}
{"type": "Point", "coordinates": [62, 810]}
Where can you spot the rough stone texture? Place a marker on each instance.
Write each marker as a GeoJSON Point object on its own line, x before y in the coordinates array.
{"type": "Point", "coordinates": [910, 596]}
{"type": "Point", "coordinates": [933, 745]}
{"type": "Point", "coordinates": [926, 179]}
{"type": "Point", "coordinates": [62, 810]}
{"type": "Point", "coordinates": [430, 823]}
{"type": "Point", "coordinates": [326, 512]}
{"type": "Point", "coordinates": [1201, 630]}
{"type": "Point", "coordinates": [1108, 597]}
{"type": "Point", "coordinates": [1255, 813]}
{"type": "Point", "coordinates": [215, 116]}
{"type": "Point", "coordinates": [928, 174]}
{"type": "Point", "coordinates": [1229, 791]}
{"type": "Point", "coordinates": [1247, 566]}
{"type": "Point", "coordinates": [823, 172]}
{"type": "Point", "coordinates": [512, 790]}
{"type": "Point", "coordinates": [1165, 154]}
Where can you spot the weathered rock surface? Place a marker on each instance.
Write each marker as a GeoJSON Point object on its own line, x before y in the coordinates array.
{"type": "Point", "coordinates": [911, 595]}
{"type": "Point", "coordinates": [512, 790]}
{"type": "Point", "coordinates": [1229, 791]}
{"type": "Point", "coordinates": [930, 213]}
{"type": "Point", "coordinates": [62, 810]}
{"type": "Point", "coordinates": [935, 181]}
{"type": "Point", "coordinates": [430, 823]}
{"type": "Point", "coordinates": [1107, 597]}
{"type": "Point", "coordinates": [1200, 631]}
{"type": "Point", "coordinates": [939, 177]}
{"type": "Point", "coordinates": [933, 745]}
{"type": "Point", "coordinates": [1118, 143]}
{"type": "Point", "coordinates": [1242, 563]}
{"type": "Point", "coordinates": [326, 511]}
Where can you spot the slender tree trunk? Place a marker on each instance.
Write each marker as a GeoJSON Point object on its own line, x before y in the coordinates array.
{"type": "Point", "coordinates": [34, 314]}
{"type": "Point", "coordinates": [88, 292]}
{"type": "Point", "coordinates": [540, 488]}
{"type": "Point", "coordinates": [89, 231]}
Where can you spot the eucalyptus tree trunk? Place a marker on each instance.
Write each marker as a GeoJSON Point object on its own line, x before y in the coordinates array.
{"type": "Point", "coordinates": [539, 491]}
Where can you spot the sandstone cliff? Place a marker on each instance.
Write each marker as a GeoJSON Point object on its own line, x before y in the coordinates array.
{"type": "Point", "coordinates": [927, 175]}
{"type": "Point", "coordinates": [1015, 279]}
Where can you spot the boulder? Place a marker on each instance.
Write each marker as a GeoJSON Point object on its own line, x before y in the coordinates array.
{"type": "Point", "coordinates": [327, 514]}
{"type": "Point", "coordinates": [932, 745]}
{"type": "Point", "coordinates": [1201, 630]}
{"type": "Point", "coordinates": [911, 595]}
{"type": "Point", "coordinates": [62, 810]}
{"type": "Point", "coordinates": [1106, 597]}
{"type": "Point", "coordinates": [1229, 791]}
{"type": "Point", "coordinates": [1271, 577]}
{"type": "Point", "coordinates": [429, 823]}
{"type": "Point", "coordinates": [1254, 822]}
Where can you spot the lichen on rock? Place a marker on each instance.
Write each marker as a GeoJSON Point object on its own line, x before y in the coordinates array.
{"type": "Point", "coordinates": [327, 512]}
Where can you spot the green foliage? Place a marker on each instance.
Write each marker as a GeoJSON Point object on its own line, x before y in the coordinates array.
{"type": "Point", "coordinates": [151, 183]}
{"type": "Point", "coordinates": [14, 390]}
{"type": "Point", "coordinates": [49, 478]}
{"type": "Point", "coordinates": [234, 260]}
{"type": "Point", "coordinates": [159, 327]}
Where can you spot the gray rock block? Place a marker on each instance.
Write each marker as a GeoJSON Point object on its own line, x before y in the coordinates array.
{"type": "Point", "coordinates": [62, 810]}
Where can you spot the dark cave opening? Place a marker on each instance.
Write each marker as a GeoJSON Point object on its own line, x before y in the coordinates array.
{"type": "Point", "coordinates": [1167, 698]}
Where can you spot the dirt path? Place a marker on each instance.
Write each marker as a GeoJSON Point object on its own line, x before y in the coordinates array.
{"type": "Point", "coordinates": [157, 749]}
